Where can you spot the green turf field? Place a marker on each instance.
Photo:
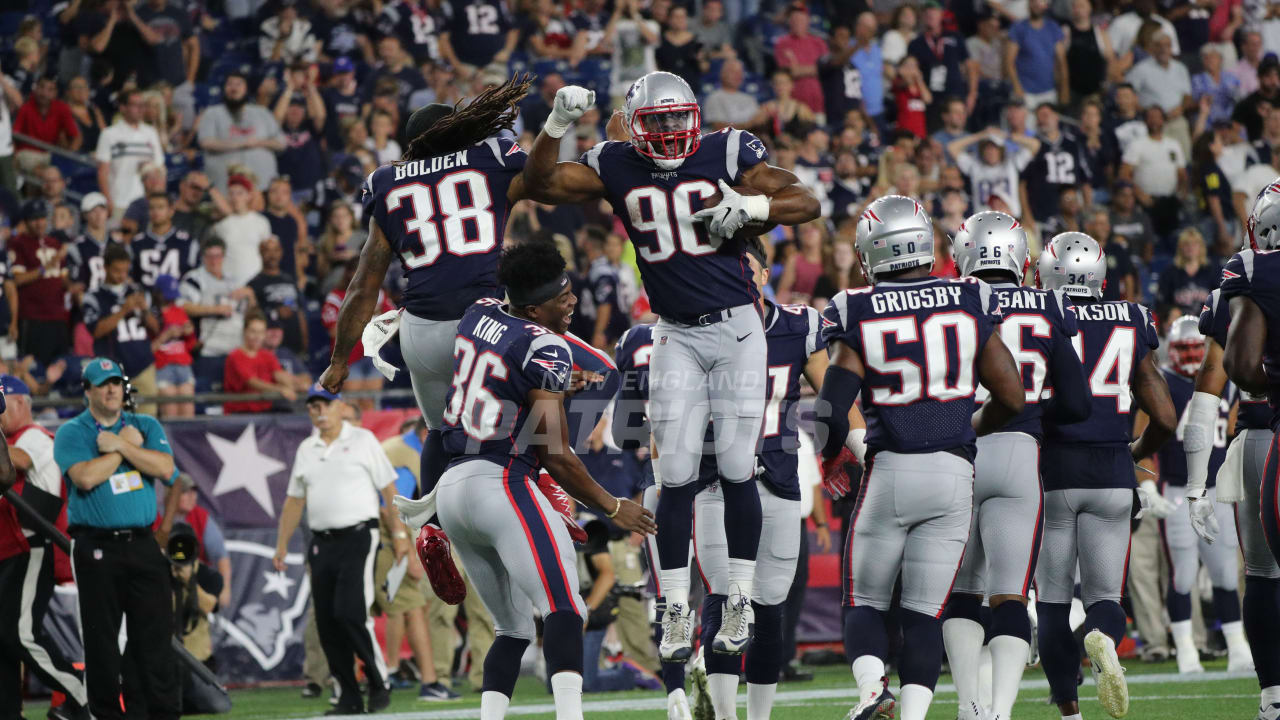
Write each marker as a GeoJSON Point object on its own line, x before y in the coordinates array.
{"type": "Point", "coordinates": [1156, 692]}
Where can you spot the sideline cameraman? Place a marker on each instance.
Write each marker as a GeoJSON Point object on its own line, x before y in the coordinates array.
{"type": "Point", "coordinates": [110, 457]}
{"type": "Point", "coordinates": [601, 593]}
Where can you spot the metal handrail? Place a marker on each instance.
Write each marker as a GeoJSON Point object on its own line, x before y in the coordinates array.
{"type": "Point", "coordinates": [82, 158]}
{"type": "Point", "coordinates": [219, 398]}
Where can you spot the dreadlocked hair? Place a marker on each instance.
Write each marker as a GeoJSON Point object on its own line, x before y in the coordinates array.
{"type": "Point", "coordinates": [493, 110]}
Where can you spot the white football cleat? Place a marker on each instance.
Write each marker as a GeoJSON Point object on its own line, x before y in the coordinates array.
{"type": "Point", "coordinates": [1270, 712]}
{"type": "Point", "coordinates": [737, 621]}
{"type": "Point", "coordinates": [1240, 659]}
{"type": "Point", "coordinates": [703, 709]}
{"type": "Point", "coordinates": [972, 712]}
{"type": "Point", "coordinates": [677, 633]}
{"type": "Point", "coordinates": [1113, 691]}
{"type": "Point", "coordinates": [1189, 663]}
{"type": "Point", "coordinates": [678, 706]}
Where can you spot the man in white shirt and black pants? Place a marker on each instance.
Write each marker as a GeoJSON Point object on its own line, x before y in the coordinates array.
{"type": "Point", "coordinates": [338, 474]}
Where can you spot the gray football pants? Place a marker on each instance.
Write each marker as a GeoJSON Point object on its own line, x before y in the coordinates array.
{"type": "Point", "coordinates": [708, 372]}
{"type": "Point", "coordinates": [1090, 526]}
{"type": "Point", "coordinates": [427, 346]}
{"type": "Point", "coordinates": [512, 544]}
{"type": "Point", "coordinates": [1258, 560]}
{"type": "Point", "coordinates": [779, 544]}
{"type": "Point", "coordinates": [1004, 537]}
{"type": "Point", "coordinates": [1186, 550]}
{"type": "Point", "coordinates": [912, 515]}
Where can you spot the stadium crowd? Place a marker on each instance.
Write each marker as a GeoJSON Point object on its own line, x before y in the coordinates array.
{"type": "Point", "coordinates": [180, 180]}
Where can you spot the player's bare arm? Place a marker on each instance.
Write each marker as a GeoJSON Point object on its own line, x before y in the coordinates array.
{"type": "Point", "coordinates": [790, 203]}
{"type": "Point", "coordinates": [1242, 357]}
{"type": "Point", "coordinates": [546, 180]}
{"type": "Point", "coordinates": [998, 374]}
{"type": "Point", "coordinates": [1152, 394]}
{"type": "Point", "coordinates": [358, 305]}
{"type": "Point", "coordinates": [1211, 378]}
{"type": "Point", "coordinates": [567, 470]}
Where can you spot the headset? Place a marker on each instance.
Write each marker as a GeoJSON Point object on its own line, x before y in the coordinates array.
{"type": "Point", "coordinates": [130, 393]}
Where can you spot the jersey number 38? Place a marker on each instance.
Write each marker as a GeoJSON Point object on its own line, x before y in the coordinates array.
{"type": "Point", "coordinates": [439, 213]}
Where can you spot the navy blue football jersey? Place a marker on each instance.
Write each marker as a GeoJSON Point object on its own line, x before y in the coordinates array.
{"type": "Point", "coordinates": [1172, 456]}
{"type": "Point", "coordinates": [920, 341]}
{"type": "Point", "coordinates": [685, 275]}
{"type": "Point", "coordinates": [128, 342]}
{"type": "Point", "coordinates": [1112, 338]}
{"type": "Point", "coordinates": [497, 359]}
{"type": "Point", "coordinates": [1215, 319]}
{"type": "Point", "coordinates": [84, 262]}
{"type": "Point", "coordinates": [584, 408]}
{"type": "Point", "coordinates": [445, 217]}
{"type": "Point", "coordinates": [1253, 275]}
{"type": "Point", "coordinates": [175, 253]}
{"type": "Point", "coordinates": [1035, 321]}
{"type": "Point", "coordinates": [631, 409]}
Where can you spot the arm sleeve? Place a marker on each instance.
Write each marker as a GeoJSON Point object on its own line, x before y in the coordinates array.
{"type": "Point", "coordinates": [1197, 439]}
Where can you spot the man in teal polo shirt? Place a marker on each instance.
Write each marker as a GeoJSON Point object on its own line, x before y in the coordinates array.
{"type": "Point", "coordinates": [110, 459]}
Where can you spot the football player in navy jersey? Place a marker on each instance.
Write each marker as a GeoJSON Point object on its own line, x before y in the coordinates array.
{"type": "Point", "coordinates": [1184, 550]}
{"type": "Point", "coordinates": [708, 361]}
{"type": "Point", "coordinates": [503, 420]}
{"type": "Point", "coordinates": [1088, 475]}
{"type": "Point", "coordinates": [1004, 539]}
{"type": "Point", "coordinates": [1250, 285]}
{"type": "Point", "coordinates": [915, 348]}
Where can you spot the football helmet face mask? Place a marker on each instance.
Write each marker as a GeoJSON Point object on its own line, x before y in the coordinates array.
{"type": "Point", "coordinates": [894, 233]}
{"type": "Point", "coordinates": [1073, 263]}
{"type": "Point", "coordinates": [663, 118]}
{"type": "Point", "coordinates": [991, 241]}
{"type": "Point", "coordinates": [1186, 346]}
{"type": "Point", "coordinates": [1264, 221]}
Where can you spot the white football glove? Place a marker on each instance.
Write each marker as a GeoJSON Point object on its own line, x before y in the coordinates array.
{"type": "Point", "coordinates": [571, 103]}
{"type": "Point", "coordinates": [1203, 518]}
{"type": "Point", "coordinates": [416, 513]}
{"type": "Point", "coordinates": [1157, 505]}
{"type": "Point", "coordinates": [734, 211]}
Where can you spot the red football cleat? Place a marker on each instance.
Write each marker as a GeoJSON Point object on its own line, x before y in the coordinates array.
{"type": "Point", "coordinates": [564, 505]}
{"type": "Point", "coordinates": [437, 560]}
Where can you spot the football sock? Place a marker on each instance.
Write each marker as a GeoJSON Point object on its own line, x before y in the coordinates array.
{"type": "Point", "coordinates": [493, 705]}
{"type": "Point", "coordinates": [760, 700]}
{"type": "Point", "coordinates": [1226, 605]}
{"type": "Point", "coordinates": [984, 677]}
{"type": "Point", "coordinates": [865, 634]}
{"type": "Point", "coordinates": [868, 673]}
{"type": "Point", "coordinates": [502, 665]}
{"type": "Point", "coordinates": [742, 574]}
{"type": "Point", "coordinates": [724, 692]}
{"type": "Point", "coordinates": [1011, 618]}
{"type": "Point", "coordinates": [1008, 661]}
{"type": "Point", "coordinates": [1262, 626]}
{"type": "Point", "coordinates": [562, 643]}
{"type": "Point", "coordinates": [1107, 616]}
{"type": "Point", "coordinates": [1059, 656]}
{"type": "Point", "coordinates": [963, 640]}
{"type": "Point", "coordinates": [1233, 632]}
{"type": "Point", "coordinates": [1270, 695]}
{"type": "Point", "coordinates": [675, 518]}
{"type": "Point", "coordinates": [1183, 640]}
{"type": "Point", "coordinates": [742, 520]}
{"type": "Point", "coordinates": [921, 659]}
{"type": "Point", "coordinates": [566, 690]}
{"type": "Point", "coordinates": [913, 700]}
{"type": "Point", "coordinates": [764, 654]}
{"type": "Point", "coordinates": [433, 462]}
{"type": "Point", "coordinates": [1077, 716]}
{"type": "Point", "coordinates": [1179, 605]}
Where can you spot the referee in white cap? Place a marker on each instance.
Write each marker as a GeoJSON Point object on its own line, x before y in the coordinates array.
{"type": "Point", "coordinates": [338, 474]}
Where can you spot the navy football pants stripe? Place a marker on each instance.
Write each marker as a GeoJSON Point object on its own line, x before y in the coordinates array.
{"type": "Point", "coordinates": [545, 556]}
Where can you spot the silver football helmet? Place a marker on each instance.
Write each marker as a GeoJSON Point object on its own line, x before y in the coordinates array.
{"type": "Point", "coordinates": [894, 233]}
{"type": "Point", "coordinates": [1186, 346]}
{"type": "Point", "coordinates": [991, 241]}
{"type": "Point", "coordinates": [1073, 263]}
{"type": "Point", "coordinates": [1264, 222]}
{"type": "Point", "coordinates": [663, 117]}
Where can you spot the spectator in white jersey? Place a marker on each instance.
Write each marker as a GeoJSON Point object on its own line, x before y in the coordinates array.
{"type": "Point", "coordinates": [123, 148]}
{"type": "Point", "coordinates": [994, 171]}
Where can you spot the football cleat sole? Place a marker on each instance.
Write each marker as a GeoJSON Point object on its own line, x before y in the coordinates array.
{"type": "Point", "coordinates": [1113, 690]}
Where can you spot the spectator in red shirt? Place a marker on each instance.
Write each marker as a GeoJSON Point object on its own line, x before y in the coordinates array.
{"type": "Point", "coordinates": [39, 265]}
{"type": "Point", "coordinates": [364, 376]}
{"type": "Point", "coordinates": [46, 118]}
{"type": "Point", "coordinates": [912, 97]}
{"type": "Point", "coordinates": [799, 52]}
{"type": "Point", "coordinates": [251, 368]}
{"type": "Point", "coordinates": [172, 348]}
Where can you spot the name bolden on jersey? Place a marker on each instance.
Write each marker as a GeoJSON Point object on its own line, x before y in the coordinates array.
{"type": "Point", "coordinates": [414, 168]}
{"type": "Point", "coordinates": [887, 301]}
{"type": "Point", "coordinates": [1115, 312]}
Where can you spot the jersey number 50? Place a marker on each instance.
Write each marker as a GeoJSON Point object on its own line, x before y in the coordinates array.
{"type": "Point", "coordinates": [467, 230]}
{"type": "Point", "coordinates": [939, 381]}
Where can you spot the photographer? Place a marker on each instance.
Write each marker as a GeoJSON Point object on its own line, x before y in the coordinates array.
{"type": "Point", "coordinates": [601, 593]}
{"type": "Point", "coordinates": [110, 458]}
{"type": "Point", "coordinates": [196, 588]}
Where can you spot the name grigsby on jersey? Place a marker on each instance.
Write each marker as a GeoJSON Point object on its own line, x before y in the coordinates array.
{"type": "Point", "coordinates": [1103, 311]}
{"type": "Point", "coordinates": [916, 298]}
{"type": "Point", "coordinates": [414, 168]}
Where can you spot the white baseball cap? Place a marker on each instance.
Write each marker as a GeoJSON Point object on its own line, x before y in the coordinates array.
{"type": "Point", "coordinates": [91, 201]}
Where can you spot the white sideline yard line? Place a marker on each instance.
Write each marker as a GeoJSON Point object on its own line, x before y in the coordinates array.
{"type": "Point", "coordinates": [806, 697]}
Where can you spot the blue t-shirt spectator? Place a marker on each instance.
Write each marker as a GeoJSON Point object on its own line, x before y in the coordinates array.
{"type": "Point", "coordinates": [1035, 53]}
{"type": "Point", "coordinates": [1222, 93]}
{"type": "Point", "coordinates": [869, 64]}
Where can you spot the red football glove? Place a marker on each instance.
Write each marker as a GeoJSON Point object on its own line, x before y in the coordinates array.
{"type": "Point", "coordinates": [437, 560]}
{"type": "Point", "coordinates": [835, 473]}
{"type": "Point", "coordinates": [564, 505]}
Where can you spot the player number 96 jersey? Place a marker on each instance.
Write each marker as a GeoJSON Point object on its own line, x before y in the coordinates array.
{"type": "Point", "coordinates": [920, 341]}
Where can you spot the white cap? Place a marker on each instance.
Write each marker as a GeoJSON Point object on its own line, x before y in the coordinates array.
{"type": "Point", "coordinates": [91, 201]}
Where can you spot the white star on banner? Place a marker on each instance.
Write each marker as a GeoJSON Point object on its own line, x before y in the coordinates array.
{"type": "Point", "coordinates": [244, 468]}
{"type": "Point", "coordinates": [278, 583]}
